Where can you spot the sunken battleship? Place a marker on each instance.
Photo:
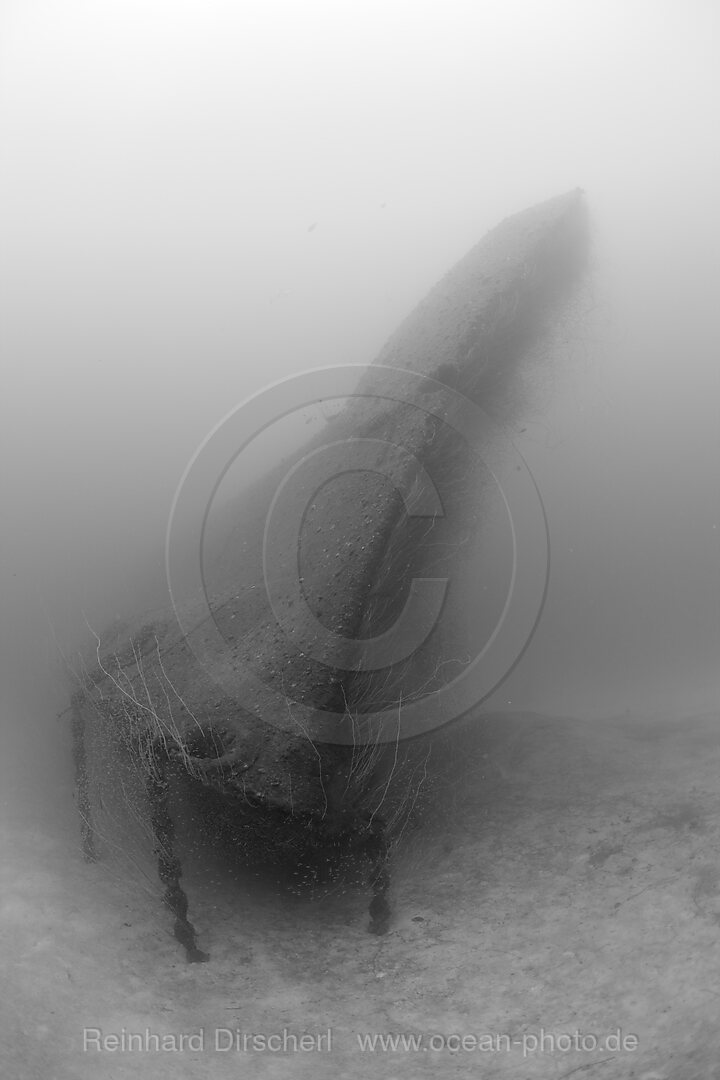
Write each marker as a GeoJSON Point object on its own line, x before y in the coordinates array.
{"type": "Point", "coordinates": [293, 702]}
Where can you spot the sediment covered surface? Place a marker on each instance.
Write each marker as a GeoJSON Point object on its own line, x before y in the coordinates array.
{"type": "Point", "coordinates": [571, 883]}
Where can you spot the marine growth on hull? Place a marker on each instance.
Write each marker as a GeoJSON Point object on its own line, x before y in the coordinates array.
{"type": "Point", "coordinates": [275, 716]}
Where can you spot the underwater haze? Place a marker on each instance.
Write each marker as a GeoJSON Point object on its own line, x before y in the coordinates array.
{"type": "Point", "coordinates": [199, 198]}
{"type": "Point", "coordinates": [202, 198]}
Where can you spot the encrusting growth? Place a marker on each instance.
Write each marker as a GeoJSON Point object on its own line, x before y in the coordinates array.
{"type": "Point", "coordinates": [280, 788]}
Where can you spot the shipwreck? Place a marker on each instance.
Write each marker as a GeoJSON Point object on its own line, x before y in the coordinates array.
{"type": "Point", "coordinates": [291, 702]}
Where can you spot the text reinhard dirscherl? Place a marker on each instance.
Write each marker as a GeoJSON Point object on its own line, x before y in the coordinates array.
{"type": "Point", "coordinates": [220, 1039]}
{"type": "Point", "coordinates": [225, 1040]}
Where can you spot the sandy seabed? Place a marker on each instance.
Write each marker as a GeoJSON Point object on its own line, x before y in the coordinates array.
{"type": "Point", "coordinates": [560, 917]}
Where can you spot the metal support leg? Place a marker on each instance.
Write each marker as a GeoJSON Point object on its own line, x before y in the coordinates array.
{"type": "Point", "coordinates": [378, 849]}
{"type": "Point", "coordinates": [169, 868]}
{"type": "Point", "coordinates": [82, 785]}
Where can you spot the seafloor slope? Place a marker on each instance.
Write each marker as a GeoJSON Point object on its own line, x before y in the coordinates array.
{"type": "Point", "coordinates": [571, 884]}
